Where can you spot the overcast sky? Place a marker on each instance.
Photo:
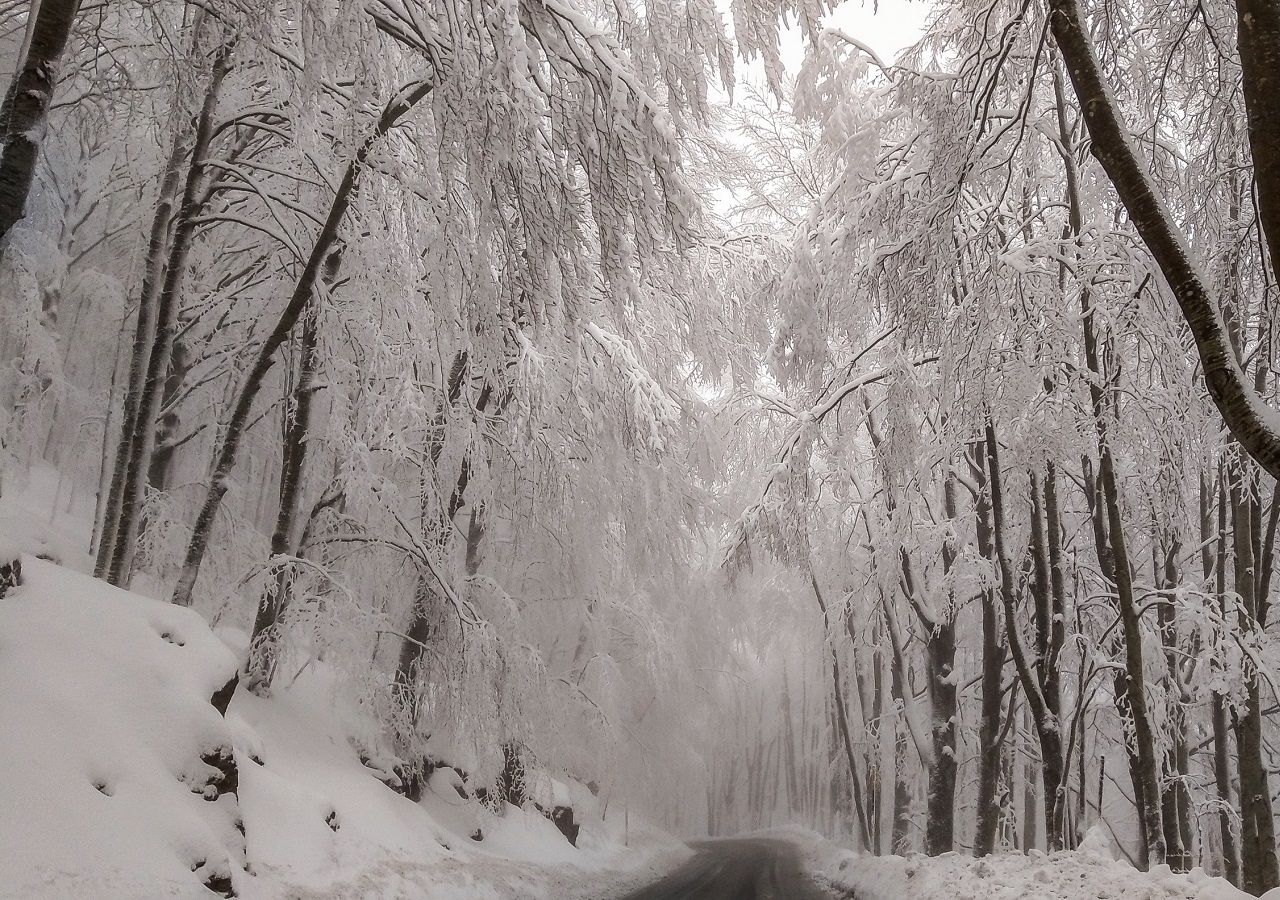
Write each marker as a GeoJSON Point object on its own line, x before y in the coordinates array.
{"type": "Point", "coordinates": [887, 30]}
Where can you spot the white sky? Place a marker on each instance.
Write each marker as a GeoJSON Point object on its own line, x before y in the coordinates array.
{"type": "Point", "coordinates": [888, 30]}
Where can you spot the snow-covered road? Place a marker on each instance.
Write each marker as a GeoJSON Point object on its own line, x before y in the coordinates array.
{"type": "Point", "coordinates": [740, 869]}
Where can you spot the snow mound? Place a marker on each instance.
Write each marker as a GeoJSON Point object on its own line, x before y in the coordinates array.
{"type": "Point", "coordinates": [33, 521]}
{"type": "Point", "coordinates": [1009, 876]}
{"type": "Point", "coordinates": [116, 783]}
{"type": "Point", "coordinates": [321, 823]}
{"type": "Point", "coordinates": [104, 696]}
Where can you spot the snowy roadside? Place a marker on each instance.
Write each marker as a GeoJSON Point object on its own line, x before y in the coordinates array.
{"type": "Point", "coordinates": [1072, 875]}
{"type": "Point", "coordinates": [121, 780]}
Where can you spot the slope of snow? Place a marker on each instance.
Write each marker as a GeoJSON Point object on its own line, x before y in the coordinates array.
{"type": "Point", "coordinates": [320, 824]}
{"type": "Point", "coordinates": [104, 700]}
{"type": "Point", "coordinates": [1071, 875]}
{"type": "Point", "coordinates": [105, 705]}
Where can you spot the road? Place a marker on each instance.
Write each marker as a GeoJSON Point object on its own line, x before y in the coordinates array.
{"type": "Point", "coordinates": [738, 869]}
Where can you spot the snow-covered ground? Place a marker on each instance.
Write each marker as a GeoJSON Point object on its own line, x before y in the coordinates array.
{"type": "Point", "coordinates": [115, 784]}
{"type": "Point", "coordinates": [1085, 874]}
{"type": "Point", "coordinates": [112, 786]}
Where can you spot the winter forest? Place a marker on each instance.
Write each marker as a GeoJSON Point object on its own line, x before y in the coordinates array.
{"type": "Point", "coordinates": [469, 448]}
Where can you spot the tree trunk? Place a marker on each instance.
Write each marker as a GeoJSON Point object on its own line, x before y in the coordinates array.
{"type": "Point", "coordinates": [940, 650]}
{"type": "Point", "coordinates": [164, 454]}
{"type": "Point", "coordinates": [285, 540]}
{"type": "Point", "coordinates": [26, 107]}
{"type": "Point", "coordinates": [1258, 41]}
{"type": "Point", "coordinates": [1175, 808]}
{"type": "Point", "coordinates": [1258, 864]}
{"type": "Point", "coordinates": [141, 440]}
{"type": "Point", "coordinates": [842, 720]}
{"type": "Point", "coordinates": [428, 599]}
{"type": "Point", "coordinates": [144, 332]}
{"type": "Point", "coordinates": [989, 763]}
{"type": "Point", "coordinates": [1044, 718]}
{"type": "Point", "coordinates": [1246, 413]}
{"type": "Point", "coordinates": [900, 835]}
{"type": "Point", "coordinates": [303, 293]}
{"type": "Point", "coordinates": [1218, 707]}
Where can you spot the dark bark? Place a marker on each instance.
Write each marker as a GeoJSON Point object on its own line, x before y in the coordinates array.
{"type": "Point", "coordinates": [511, 781]}
{"type": "Point", "coordinates": [1134, 674]}
{"type": "Point", "coordinates": [1245, 412]}
{"type": "Point", "coordinates": [993, 658]}
{"type": "Point", "coordinates": [141, 439]}
{"type": "Point", "coordinates": [428, 601]}
{"type": "Point", "coordinates": [940, 646]}
{"type": "Point", "coordinates": [900, 834]}
{"type": "Point", "coordinates": [26, 107]}
{"type": "Point", "coordinates": [1258, 864]}
{"type": "Point", "coordinates": [1050, 634]}
{"type": "Point", "coordinates": [1218, 706]}
{"type": "Point", "coordinates": [842, 721]}
{"type": "Point", "coordinates": [164, 455]}
{"type": "Point", "coordinates": [1045, 719]}
{"type": "Point", "coordinates": [1175, 808]}
{"type": "Point", "coordinates": [144, 331]}
{"type": "Point", "coordinates": [303, 294]}
{"type": "Point", "coordinates": [940, 650]}
{"type": "Point", "coordinates": [1258, 40]}
{"type": "Point", "coordinates": [1109, 526]}
{"type": "Point", "coordinates": [285, 540]}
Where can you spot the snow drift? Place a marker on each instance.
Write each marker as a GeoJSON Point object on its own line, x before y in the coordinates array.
{"type": "Point", "coordinates": [117, 781]}
{"type": "Point", "coordinates": [1069, 875]}
{"type": "Point", "coordinates": [107, 788]}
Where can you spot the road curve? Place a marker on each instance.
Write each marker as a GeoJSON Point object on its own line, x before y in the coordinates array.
{"type": "Point", "coordinates": [736, 869]}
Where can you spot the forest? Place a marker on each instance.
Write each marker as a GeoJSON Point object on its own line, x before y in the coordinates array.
{"type": "Point", "coordinates": [708, 414]}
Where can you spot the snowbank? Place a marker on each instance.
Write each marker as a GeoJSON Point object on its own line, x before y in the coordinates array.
{"type": "Point", "coordinates": [1007, 876]}
{"type": "Point", "coordinates": [105, 700]}
{"type": "Point", "coordinates": [104, 697]}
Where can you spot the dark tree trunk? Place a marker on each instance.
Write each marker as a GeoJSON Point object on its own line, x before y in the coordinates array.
{"type": "Point", "coordinates": [940, 648]}
{"type": "Point", "coordinates": [429, 599]}
{"type": "Point", "coordinates": [285, 540]}
{"type": "Point", "coordinates": [1245, 412]}
{"type": "Point", "coordinates": [165, 453]}
{"type": "Point", "coordinates": [993, 657]}
{"type": "Point", "coordinates": [303, 294]}
{"type": "Point", "coordinates": [141, 440]}
{"type": "Point", "coordinates": [842, 721]}
{"type": "Point", "coordinates": [1114, 561]}
{"type": "Point", "coordinates": [900, 835]}
{"type": "Point", "coordinates": [1175, 808]}
{"type": "Point", "coordinates": [1258, 40]}
{"type": "Point", "coordinates": [940, 642]}
{"type": "Point", "coordinates": [26, 107]}
{"type": "Point", "coordinates": [1044, 718]}
{"type": "Point", "coordinates": [144, 332]}
{"type": "Point", "coordinates": [1218, 707]}
{"type": "Point", "coordinates": [1258, 864]}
